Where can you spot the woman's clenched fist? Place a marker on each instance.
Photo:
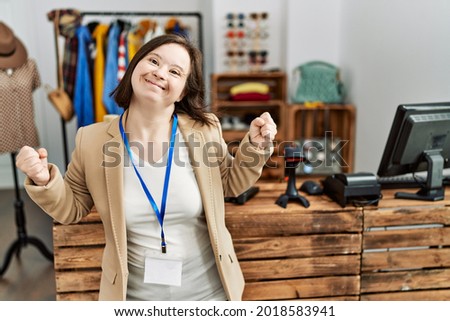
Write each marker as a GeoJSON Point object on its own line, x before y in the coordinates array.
{"type": "Point", "coordinates": [33, 163]}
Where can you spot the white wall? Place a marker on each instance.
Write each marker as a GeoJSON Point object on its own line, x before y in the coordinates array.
{"type": "Point", "coordinates": [393, 52]}
{"type": "Point", "coordinates": [313, 33]}
{"type": "Point", "coordinates": [390, 52]}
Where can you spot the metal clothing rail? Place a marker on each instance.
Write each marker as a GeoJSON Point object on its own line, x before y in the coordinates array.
{"type": "Point", "coordinates": [132, 13]}
{"type": "Point", "coordinates": [167, 13]}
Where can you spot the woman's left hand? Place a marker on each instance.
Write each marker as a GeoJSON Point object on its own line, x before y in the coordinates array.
{"type": "Point", "coordinates": [262, 131]}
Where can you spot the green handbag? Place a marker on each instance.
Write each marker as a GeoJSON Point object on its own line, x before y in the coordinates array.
{"type": "Point", "coordinates": [319, 81]}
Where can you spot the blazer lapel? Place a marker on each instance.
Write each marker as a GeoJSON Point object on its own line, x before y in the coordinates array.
{"type": "Point", "coordinates": [196, 143]}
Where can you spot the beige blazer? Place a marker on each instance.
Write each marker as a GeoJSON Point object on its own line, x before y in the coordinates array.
{"type": "Point", "coordinates": [95, 177]}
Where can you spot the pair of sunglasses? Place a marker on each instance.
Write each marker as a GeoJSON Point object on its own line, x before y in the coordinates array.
{"type": "Point", "coordinates": [259, 16]}
{"type": "Point", "coordinates": [235, 34]}
{"type": "Point", "coordinates": [232, 16]}
{"type": "Point", "coordinates": [255, 53]}
{"type": "Point", "coordinates": [232, 24]}
{"type": "Point", "coordinates": [235, 43]}
{"type": "Point", "coordinates": [258, 33]}
{"type": "Point", "coordinates": [239, 53]}
{"type": "Point", "coordinates": [258, 57]}
{"type": "Point", "coordinates": [233, 61]}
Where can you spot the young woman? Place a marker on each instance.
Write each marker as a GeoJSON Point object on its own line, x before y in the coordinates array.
{"type": "Point", "coordinates": [157, 176]}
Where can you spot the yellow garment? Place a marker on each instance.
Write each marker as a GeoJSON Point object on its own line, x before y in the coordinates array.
{"type": "Point", "coordinates": [135, 42]}
{"type": "Point", "coordinates": [137, 35]}
{"type": "Point", "coordinates": [250, 87]}
{"type": "Point", "coordinates": [100, 34]}
{"type": "Point", "coordinates": [314, 104]}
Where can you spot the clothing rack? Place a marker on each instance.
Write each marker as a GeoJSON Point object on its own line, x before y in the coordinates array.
{"type": "Point", "coordinates": [128, 14]}
{"type": "Point", "coordinates": [168, 14]}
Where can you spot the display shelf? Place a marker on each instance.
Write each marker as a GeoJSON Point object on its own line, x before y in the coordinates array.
{"type": "Point", "coordinates": [246, 111]}
{"type": "Point", "coordinates": [221, 83]}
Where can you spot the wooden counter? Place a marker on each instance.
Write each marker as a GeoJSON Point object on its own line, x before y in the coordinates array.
{"type": "Point", "coordinates": [396, 251]}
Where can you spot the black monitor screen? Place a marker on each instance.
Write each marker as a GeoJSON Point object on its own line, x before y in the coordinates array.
{"type": "Point", "coordinates": [419, 140]}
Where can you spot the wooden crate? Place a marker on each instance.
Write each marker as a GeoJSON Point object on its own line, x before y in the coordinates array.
{"type": "Point", "coordinates": [334, 121]}
{"type": "Point", "coordinates": [296, 253]}
{"type": "Point", "coordinates": [406, 253]}
{"type": "Point", "coordinates": [78, 251]}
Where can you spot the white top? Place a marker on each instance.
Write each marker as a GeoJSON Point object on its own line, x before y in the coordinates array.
{"type": "Point", "coordinates": [185, 230]}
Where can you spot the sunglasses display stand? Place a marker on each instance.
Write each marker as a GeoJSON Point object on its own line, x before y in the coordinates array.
{"type": "Point", "coordinates": [245, 38]}
{"type": "Point", "coordinates": [258, 34]}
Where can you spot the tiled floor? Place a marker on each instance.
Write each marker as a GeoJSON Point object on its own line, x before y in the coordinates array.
{"type": "Point", "coordinates": [29, 276]}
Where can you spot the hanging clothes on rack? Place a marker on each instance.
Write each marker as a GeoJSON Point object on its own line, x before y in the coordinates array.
{"type": "Point", "coordinates": [83, 100]}
{"type": "Point", "coordinates": [136, 36]}
{"type": "Point", "coordinates": [100, 36]}
{"type": "Point", "coordinates": [122, 60]}
{"type": "Point", "coordinates": [155, 30]}
{"type": "Point", "coordinates": [174, 25]}
{"type": "Point", "coordinates": [111, 70]}
{"type": "Point", "coordinates": [69, 20]}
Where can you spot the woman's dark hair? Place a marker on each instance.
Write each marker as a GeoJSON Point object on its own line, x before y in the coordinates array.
{"type": "Point", "coordinates": [193, 102]}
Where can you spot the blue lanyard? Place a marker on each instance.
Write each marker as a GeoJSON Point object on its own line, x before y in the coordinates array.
{"type": "Point", "coordinates": [159, 213]}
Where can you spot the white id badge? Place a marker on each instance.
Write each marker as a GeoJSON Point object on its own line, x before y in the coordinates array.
{"type": "Point", "coordinates": [163, 269]}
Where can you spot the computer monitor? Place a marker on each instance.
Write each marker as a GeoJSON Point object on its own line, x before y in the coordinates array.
{"type": "Point", "coordinates": [419, 140]}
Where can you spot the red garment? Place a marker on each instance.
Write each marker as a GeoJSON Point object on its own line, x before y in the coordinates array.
{"type": "Point", "coordinates": [122, 63]}
{"type": "Point", "coordinates": [250, 96]}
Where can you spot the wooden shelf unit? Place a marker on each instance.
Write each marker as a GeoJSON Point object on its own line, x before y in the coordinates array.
{"type": "Point", "coordinates": [313, 122]}
{"type": "Point", "coordinates": [222, 105]}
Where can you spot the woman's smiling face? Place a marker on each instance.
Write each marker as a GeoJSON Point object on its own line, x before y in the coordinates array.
{"type": "Point", "coordinates": [160, 77]}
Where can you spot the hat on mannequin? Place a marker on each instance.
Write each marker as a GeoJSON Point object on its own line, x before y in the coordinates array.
{"type": "Point", "coordinates": [12, 52]}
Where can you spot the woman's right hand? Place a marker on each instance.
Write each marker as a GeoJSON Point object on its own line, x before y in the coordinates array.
{"type": "Point", "coordinates": [33, 163]}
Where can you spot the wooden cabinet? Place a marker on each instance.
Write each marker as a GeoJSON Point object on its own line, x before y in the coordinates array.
{"type": "Point", "coordinates": [329, 126]}
{"type": "Point", "coordinates": [245, 111]}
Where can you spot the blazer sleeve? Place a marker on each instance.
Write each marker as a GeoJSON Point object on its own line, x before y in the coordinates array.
{"type": "Point", "coordinates": [66, 199]}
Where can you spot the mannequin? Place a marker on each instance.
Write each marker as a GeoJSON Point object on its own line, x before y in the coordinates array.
{"type": "Point", "coordinates": [18, 79]}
